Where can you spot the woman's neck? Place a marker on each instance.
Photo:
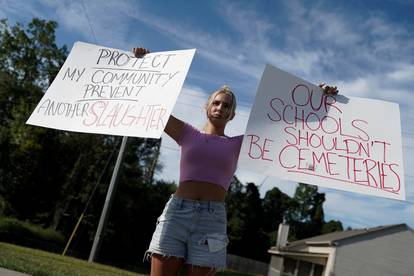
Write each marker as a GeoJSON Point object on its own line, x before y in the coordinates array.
{"type": "Point", "coordinates": [212, 129]}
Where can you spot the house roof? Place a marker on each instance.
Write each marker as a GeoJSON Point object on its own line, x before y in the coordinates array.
{"type": "Point", "coordinates": [334, 237]}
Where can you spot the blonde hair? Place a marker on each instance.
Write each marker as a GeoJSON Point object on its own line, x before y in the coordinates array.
{"type": "Point", "coordinates": [225, 89]}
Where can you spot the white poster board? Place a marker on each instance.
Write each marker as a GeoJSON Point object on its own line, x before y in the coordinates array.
{"type": "Point", "coordinates": [109, 91]}
{"type": "Point", "coordinates": [298, 133]}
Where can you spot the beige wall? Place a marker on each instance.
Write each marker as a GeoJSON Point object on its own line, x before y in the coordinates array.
{"type": "Point", "coordinates": [384, 253]}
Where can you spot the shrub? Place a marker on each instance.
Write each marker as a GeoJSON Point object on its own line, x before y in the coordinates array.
{"type": "Point", "coordinates": [27, 234]}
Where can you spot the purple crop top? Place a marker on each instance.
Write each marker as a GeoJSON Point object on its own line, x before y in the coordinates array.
{"type": "Point", "coordinates": [208, 157]}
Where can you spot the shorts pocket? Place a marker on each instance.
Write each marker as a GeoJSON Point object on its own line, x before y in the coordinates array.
{"type": "Point", "coordinates": [216, 241]}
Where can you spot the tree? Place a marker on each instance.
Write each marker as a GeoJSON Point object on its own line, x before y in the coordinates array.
{"type": "Point", "coordinates": [306, 216]}
{"type": "Point", "coordinates": [275, 207]}
{"type": "Point", "coordinates": [29, 59]}
{"type": "Point", "coordinates": [31, 55]}
{"type": "Point", "coordinates": [133, 220]}
{"type": "Point", "coordinates": [236, 218]}
{"type": "Point", "coordinates": [332, 226]}
{"type": "Point", "coordinates": [254, 235]}
{"type": "Point", "coordinates": [253, 222]}
{"type": "Point", "coordinates": [245, 222]}
{"type": "Point", "coordinates": [48, 176]}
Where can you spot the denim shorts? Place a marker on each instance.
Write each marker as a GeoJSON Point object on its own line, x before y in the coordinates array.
{"type": "Point", "coordinates": [193, 230]}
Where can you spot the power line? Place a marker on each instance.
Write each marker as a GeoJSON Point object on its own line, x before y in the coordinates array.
{"type": "Point", "coordinates": [89, 21]}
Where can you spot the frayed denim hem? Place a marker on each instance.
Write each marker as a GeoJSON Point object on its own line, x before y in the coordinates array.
{"type": "Point", "coordinates": [148, 254]}
{"type": "Point", "coordinates": [214, 267]}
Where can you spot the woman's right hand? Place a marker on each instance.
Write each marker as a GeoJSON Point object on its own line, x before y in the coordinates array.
{"type": "Point", "coordinates": [329, 90]}
{"type": "Point", "coordinates": [139, 52]}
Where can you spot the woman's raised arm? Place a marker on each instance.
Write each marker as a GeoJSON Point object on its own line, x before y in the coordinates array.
{"type": "Point", "coordinates": [174, 128]}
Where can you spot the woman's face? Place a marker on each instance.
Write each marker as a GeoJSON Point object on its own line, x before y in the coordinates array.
{"type": "Point", "coordinates": [219, 109]}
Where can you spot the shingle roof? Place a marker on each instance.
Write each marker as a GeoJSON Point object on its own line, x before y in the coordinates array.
{"type": "Point", "coordinates": [332, 238]}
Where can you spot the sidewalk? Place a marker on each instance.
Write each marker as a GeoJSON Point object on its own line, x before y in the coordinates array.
{"type": "Point", "coordinates": [6, 272]}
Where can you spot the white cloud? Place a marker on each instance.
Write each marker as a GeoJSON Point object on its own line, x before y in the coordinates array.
{"type": "Point", "coordinates": [403, 73]}
{"type": "Point", "coordinates": [360, 211]}
{"type": "Point", "coordinates": [73, 18]}
{"type": "Point", "coordinates": [19, 10]}
{"type": "Point", "coordinates": [104, 21]}
{"type": "Point", "coordinates": [317, 23]}
{"type": "Point", "coordinates": [302, 63]}
{"type": "Point", "coordinates": [387, 38]}
{"type": "Point", "coordinates": [258, 47]}
{"type": "Point", "coordinates": [348, 45]}
{"type": "Point", "coordinates": [378, 86]}
{"type": "Point", "coordinates": [219, 50]}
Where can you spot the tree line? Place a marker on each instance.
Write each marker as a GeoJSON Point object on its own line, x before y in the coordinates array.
{"type": "Point", "coordinates": [50, 177]}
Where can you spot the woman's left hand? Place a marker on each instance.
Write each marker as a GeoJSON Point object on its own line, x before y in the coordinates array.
{"type": "Point", "coordinates": [139, 52]}
{"type": "Point", "coordinates": [329, 90]}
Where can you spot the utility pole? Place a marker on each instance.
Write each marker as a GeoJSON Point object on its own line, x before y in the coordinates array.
{"type": "Point", "coordinates": [108, 202]}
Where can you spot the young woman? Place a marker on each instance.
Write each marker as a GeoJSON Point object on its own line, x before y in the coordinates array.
{"type": "Point", "coordinates": [192, 230]}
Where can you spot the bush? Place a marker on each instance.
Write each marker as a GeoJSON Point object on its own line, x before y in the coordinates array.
{"type": "Point", "coordinates": [5, 208]}
{"type": "Point", "coordinates": [23, 233]}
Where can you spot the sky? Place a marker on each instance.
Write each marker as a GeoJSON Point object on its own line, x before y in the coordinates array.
{"type": "Point", "coordinates": [366, 48]}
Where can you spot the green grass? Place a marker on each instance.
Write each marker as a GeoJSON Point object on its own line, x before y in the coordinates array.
{"type": "Point", "coordinates": [41, 263]}
{"type": "Point", "coordinates": [230, 273]}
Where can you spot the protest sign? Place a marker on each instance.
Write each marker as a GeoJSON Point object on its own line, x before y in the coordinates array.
{"type": "Point", "coordinates": [298, 133]}
{"type": "Point", "coordinates": [109, 91]}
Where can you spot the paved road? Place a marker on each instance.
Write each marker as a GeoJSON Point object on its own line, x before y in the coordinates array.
{"type": "Point", "coordinates": [6, 272]}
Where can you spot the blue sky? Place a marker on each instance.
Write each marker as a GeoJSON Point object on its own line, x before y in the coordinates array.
{"type": "Point", "coordinates": [364, 47]}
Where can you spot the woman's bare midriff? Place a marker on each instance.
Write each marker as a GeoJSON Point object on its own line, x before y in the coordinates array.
{"type": "Point", "coordinates": [197, 190]}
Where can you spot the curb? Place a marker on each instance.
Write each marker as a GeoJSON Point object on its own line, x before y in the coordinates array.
{"type": "Point", "coordinates": [7, 272]}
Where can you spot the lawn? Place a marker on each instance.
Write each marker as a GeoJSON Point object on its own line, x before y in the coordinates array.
{"type": "Point", "coordinates": [42, 263]}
